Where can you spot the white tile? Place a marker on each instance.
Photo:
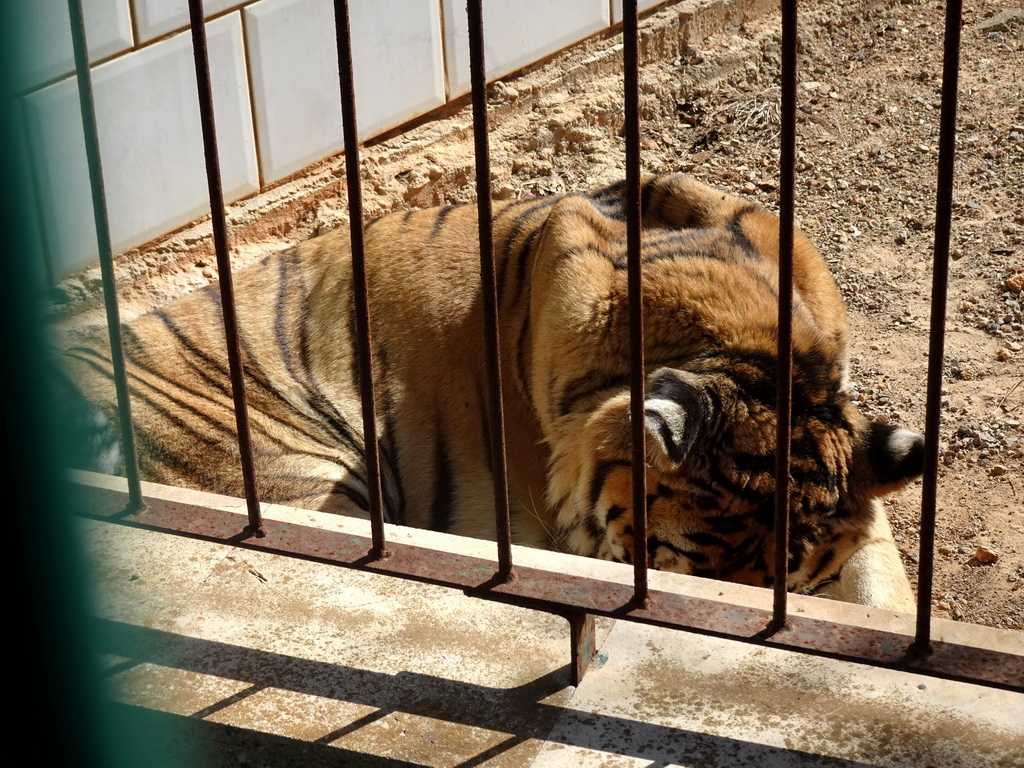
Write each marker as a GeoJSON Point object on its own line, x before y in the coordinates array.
{"type": "Point", "coordinates": [156, 18]}
{"type": "Point", "coordinates": [642, 5]}
{"type": "Point", "coordinates": [44, 28]}
{"type": "Point", "coordinates": [397, 67]}
{"type": "Point", "coordinates": [517, 33]}
{"type": "Point", "coordinates": [397, 61]}
{"type": "Point", "coordinates": [61, 176]}
{"type": "Point", "coordinates": [34, 266]}
{"type": "Point", "coordinates": [150, 143]}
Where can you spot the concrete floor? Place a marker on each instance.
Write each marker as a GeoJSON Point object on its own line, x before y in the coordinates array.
{"type": "Point", "coordinates": [218, 656]}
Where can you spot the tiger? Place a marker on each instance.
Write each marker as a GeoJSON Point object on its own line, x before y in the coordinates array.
{"type": "Point", "coordinates": [711, 289]}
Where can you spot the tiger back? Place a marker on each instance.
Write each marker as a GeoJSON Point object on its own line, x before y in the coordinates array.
{"type": "Point", "coordinates": [710, 309]}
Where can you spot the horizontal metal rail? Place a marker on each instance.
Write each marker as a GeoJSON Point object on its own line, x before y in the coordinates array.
{"type": "Point", "coordinates": [564, 595]}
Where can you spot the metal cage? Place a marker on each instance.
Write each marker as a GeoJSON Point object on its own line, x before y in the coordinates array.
{"type": "Point", "coordinates": [577, 599]}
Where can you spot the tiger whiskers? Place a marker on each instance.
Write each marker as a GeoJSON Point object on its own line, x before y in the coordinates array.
{"type": "Point", "coordinates": [556, 537]}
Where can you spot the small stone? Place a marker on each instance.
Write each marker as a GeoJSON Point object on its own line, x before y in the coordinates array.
{"type": "Point", "coordinates": [1004, 355]}
{"type": "Point", "coordinates": [996, 470]}
{"type": "Point", "coordinates": [986, 555]}
{"type": "Point", "coordinates": [1002, 21]}
{"type": "Point", "coordinates": [1015, 282]}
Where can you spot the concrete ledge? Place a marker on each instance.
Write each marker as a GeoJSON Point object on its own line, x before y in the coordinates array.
{"type": "Point", "coordinates": [221, 656]}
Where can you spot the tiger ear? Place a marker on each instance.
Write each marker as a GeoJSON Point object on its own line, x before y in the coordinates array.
{"type": "Point", "coordinates": [676, 408]}
{"type": "Point", "coordinates": [889, 458]}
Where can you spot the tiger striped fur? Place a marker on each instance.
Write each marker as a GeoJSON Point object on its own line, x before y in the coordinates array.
{"type": "Point", "coordinates": [710, 262]}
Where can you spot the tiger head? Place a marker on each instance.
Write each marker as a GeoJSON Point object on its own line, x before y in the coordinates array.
{"type": "Point", "coordinates": [711, 447]}
{"type": "Point", "coordinates": [710, 306]}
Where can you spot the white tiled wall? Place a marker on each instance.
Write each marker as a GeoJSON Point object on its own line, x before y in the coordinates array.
{"type": "Point", "coordinates": [642, 5]}
{"type": "Point", "coordinates": [151, 145]}
{"type": "Point", "coordinates": [156, 18]}
{"type": "Point", "coordinates": [54, 125]}
{"type": "Point", "coordinates": [274, 69]}
{"type": "Point", "coordinates": [396, 52]}
{"type": "Point", "coordinates": [45, 31]}
{"type": "Point", "coordinates": [35, 253]}
{"type": "Point", "coordinates": [517, 33]}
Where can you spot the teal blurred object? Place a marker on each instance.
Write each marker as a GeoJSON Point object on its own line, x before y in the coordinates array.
{"type": "Point", "coordinates": [55, 670]}
{"type": "Point", "coordinates": [61, 717]}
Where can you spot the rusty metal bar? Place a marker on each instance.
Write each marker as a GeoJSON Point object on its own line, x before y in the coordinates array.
{"type": "Point", "coordinates": [634, 266]}
{"type": "Point", "coordinates": [488, 283]}
{"type": "Point", "coordinates": [563, 594]}
{"type": "Point", "coordinates": [583, 644]}
{"type": "Point", "coordinates": [371, 446]}
{"type": "Point", "coordinates": [937, 338]}
{"type": "Point", "coordinates": [784, 380]}
{"type": "Point", "coordinates": [218, 221]}
{"type": "Point", "coordinates": [106, 257]}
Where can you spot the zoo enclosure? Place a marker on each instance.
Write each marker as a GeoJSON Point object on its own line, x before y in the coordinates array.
{"type": "Point", "coordinates": [577, 599]}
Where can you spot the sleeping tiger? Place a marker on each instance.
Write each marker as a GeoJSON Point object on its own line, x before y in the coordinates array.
{"type": "Point", "coordinates": [710, 316]}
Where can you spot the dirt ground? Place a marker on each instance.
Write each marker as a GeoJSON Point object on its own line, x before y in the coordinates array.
{"type": "Point", "coordinates": [868, 121]}
{"type": "Point", "coordinates": [868, 134]}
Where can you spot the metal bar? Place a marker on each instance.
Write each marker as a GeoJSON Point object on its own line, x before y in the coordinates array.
{"type": "Point", "coordinates": [495, 410]}
{"type": "Point", "coordinates": [937, 338]}
{"type": "Point", "coordinates": [583, 642]}
{"type": "Point", "coordinates": [371, 446]}
{"type": "Point", "coordinates": [220, 241]}
{"type": "Point", "coordinates": [631, 69]}
{"type": "Point", "coordinates": [100, 215]}
{"type": "Point", "coordinates": [784, 381]}
{"type": "Point", "coordinates": [563, 594]}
